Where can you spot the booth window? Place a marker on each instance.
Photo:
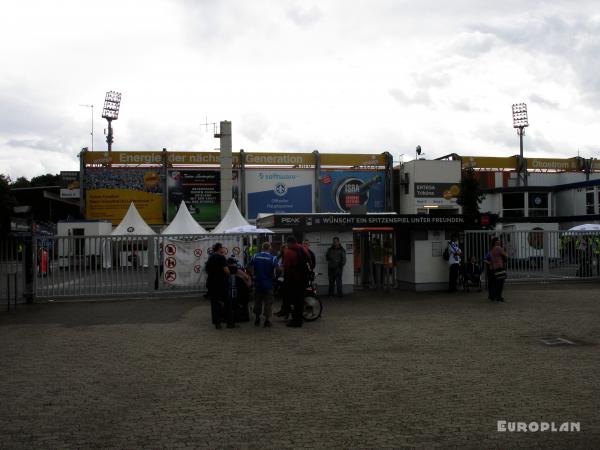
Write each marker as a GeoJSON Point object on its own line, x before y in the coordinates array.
{"type": "Point", "coordinates": [403, 245]}
{"type": "Point", "coordinates": [589, 201]}
{"type": "Point", "coordinates": [513, 205]}
{"type": "Point", "coordinates": [538, 204]}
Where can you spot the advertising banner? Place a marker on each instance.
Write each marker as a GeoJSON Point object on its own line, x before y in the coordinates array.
{"type": "Point", "coordinates": [69, 184]}
{"type": "Point", "coordinates": [110, 191]}
{"type": "Point", "coordinates": [436, 193]}
{"type": "Point", "coordinates": [201, 192]}
{"type": "Point", "coordinates": [342, 189]}
{"type": "Point", "coordinates": [279, 191]}
{"type": "Point", "coordinates": [184, 261]}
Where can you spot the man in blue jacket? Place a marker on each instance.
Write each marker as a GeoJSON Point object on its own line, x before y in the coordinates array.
{"type": "Point", "coordinates": [262, 266]}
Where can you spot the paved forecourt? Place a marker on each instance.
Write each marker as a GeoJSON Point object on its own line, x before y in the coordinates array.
{"type": "Point", "coordinates": [378, 370]}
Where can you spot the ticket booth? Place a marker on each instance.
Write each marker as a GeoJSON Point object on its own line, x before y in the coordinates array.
{"type": "Point", "coordinates": [383, 251]}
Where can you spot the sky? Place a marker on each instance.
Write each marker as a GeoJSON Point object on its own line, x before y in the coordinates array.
{"type": "Point", "coordinates": [297, 76]}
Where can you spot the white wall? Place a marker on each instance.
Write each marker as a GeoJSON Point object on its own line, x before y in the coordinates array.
{"type": "Point", "coordinates": [425, 171]}
{"type": "Point", "coordinates": [320, 241]}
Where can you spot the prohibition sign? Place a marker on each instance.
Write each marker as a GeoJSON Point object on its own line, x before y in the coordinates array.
{"type": "Point", "coordinates": [170, 275]}
{"type": "Point", "coordinates": [170, 249]}
{"type": "Point", "coordinates": [170, 263]}
{"type": "Point", "coordinates": [197, 269]}
{"type": "Point", "coordinates": [198, 252]}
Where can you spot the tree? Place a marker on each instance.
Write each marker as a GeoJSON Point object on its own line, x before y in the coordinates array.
{"type": "Point", "coordinates": [6, 204]}
{"type": "Point", "coordinates": [45, 180]}
{"type": "Point", "coordinates": [470, 196]}
{"type": "Point", "coordinates": [20, 182]}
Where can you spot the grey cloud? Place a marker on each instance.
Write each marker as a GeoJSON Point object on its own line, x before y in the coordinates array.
{"type": "Point", "coordinates": [535, 98]}
{"type": "Point", "coordinates": [572, 40]}
{"type": "Point", "coordinates": [474, 44]}
{"type": "Point", "coordinates": [304, 16]}
{"type": "Point", "coordinates": [420, 97]}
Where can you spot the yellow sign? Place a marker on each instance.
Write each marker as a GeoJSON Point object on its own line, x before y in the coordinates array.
{"type": "Point", "coordinates": [214, 158]}
{"type": "Point", "coordinates": [112, 204]}
{"type": "Point", "coordinates": [280, 159]}
{"type": "Point", "coordinates": [489, 162]}
{"type": "Point", "coordinates": [349, 159]}
{"type": "Point", "coordinates": [553, 164]}
{"type": "Point", "coordinates": [155, 158]}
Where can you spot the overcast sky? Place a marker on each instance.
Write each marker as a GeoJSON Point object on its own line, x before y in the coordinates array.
{"type": "Point", "coordinates": [295, 76]}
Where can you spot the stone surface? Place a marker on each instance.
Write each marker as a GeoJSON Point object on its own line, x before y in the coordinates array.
{"type": "Point", "coordinates": [379, 370]}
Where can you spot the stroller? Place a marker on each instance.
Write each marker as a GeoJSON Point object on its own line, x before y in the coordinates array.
{"type": "Point", "coordinates": [470, 275]}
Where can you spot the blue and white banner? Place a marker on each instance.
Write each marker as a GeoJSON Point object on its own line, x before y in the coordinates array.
{"type": "Point", "coordinates": [279, 191]}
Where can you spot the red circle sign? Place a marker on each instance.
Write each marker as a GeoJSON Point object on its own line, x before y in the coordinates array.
{"type": "Point", "coordinates": [170, 249]}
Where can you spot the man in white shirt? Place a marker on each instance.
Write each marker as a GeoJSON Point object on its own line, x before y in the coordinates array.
{"type": "Point", "coordinates": [455, 254]}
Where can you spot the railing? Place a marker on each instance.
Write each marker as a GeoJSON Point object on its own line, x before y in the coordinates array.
{"type": "Point", "coordinates": [12, 263]}
{"type": "Point", "coordinates": [541, 254]}
{"type": "Point", "coordinates": [74, 266]}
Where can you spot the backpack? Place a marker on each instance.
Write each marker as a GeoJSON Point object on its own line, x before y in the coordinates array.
{"type": "Point", "coordinates": [446, 254]}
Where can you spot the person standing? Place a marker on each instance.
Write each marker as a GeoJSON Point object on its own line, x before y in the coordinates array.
{"type": "Point", "coordinates": [216, 283]}
{"type": "Point", "coordinates": [295, 264]}
{"type": "Point", "coordinates": [498, 258]}
{"type": "Point", "coordinates": [311, 255]}
{"type": "Point", "coordinates": [336, 260]}
{"type": "Point", "coordinates": [454, 254]}
{"type": "Point", "coordinates": [262, 266]}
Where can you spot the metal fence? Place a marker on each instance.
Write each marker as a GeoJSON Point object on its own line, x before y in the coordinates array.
{"type": "Point", "coordinates": [541, 255]}
{"type": "Point", "coordinates": [74, 266]}
{"type": "Point", "coordinates": [12, 269]}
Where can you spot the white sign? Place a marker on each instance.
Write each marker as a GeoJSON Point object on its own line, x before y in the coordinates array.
{"type": "Point", "coordinates": [184, 261]}
{"type": "Point", "coordinates": [69, 193]}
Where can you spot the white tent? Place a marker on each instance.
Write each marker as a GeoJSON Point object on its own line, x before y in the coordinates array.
{"type": "Point", "coordinates": [132, 224]}
{"type": "Point", "coordinates": [247, 229]}
{"type": "Point", "coordinates": [184, 223]}
{"type": "Point", "coordinates": [133, 251]}
{"type": "Point", "coordinates": [586, 227]}
{"type": "Point", "coordinates": [233, 218]}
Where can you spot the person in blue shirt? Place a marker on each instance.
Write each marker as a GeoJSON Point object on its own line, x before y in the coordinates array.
{"type": "Point", "coordinates": [262, 266]}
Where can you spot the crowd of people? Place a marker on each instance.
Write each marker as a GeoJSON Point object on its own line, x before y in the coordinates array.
{"type": "Point", "coordinates": [264, 276]}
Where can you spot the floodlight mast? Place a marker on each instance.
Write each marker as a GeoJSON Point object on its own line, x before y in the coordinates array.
{"type": "Point", "coordinates": [520, 122]}
{"type": "Point", "coordinates": [112, 103]}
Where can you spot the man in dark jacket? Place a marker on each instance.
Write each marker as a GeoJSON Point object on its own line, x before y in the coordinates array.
{"type": "Point", "coordinates": [336, 260]}
{"type": "Point", "coordinates": [295, 280]}
{"type": "Point", "coordinates": [216, 283]}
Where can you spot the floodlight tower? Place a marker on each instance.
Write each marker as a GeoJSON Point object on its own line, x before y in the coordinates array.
{"type": "Point", "coordinates": [112, 103]}
{"type": "Point", "coordinates": [520, 121]}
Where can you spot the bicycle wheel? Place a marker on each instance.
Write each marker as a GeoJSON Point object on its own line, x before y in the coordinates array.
{"type": "Point", "coordinates": [312, 308]}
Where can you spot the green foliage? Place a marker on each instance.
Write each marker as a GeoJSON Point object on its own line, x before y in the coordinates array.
{"type": "Point", "coordinates": [470, 193]}
{"type": "Point", "coordinates": [45, 180]}
{"type": "Point", "coordinates": [6, 204]}
{"type": "Point", "coordinates": [20, 182]}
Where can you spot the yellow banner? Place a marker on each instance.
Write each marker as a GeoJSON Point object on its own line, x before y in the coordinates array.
{"type": "Point", "coordinates": [112, 204]}
{"type": "Point", "coordinates": [213, 158]}
{"type": "Point", "coordinates": [489, 162]}
{"type": "Point", "coordinates": [154, 158]}
{"type": "Point", "coordinates": [280, 159]}
{"type": "Point", "coordinates": [349, 159]}
{"type": "Point", "coordinates": [553, 164]}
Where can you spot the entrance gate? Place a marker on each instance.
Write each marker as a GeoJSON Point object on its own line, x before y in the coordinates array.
{"type": "Point", "coordinates": [374, 262]}
{"type": "Point", "coordinates": [541, 254]}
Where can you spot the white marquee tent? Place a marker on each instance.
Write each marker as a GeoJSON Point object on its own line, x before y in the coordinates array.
{"type": "Point", "coordinates": [132, 224]}
{"type": "Point", "coordinates": [184, 223]}
{"type": "Point", "coordinates": [233, 218]}
{"type": "Point", "coordinates": [133, 251]}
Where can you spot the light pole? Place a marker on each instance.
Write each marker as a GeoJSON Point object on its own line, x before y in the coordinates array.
{"type": "Point", "coordinates": [92, 133]}
{"type": "Point", "coordinates": [112, 103]}
{"type": "Point", "coordinates": [520, 122]}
